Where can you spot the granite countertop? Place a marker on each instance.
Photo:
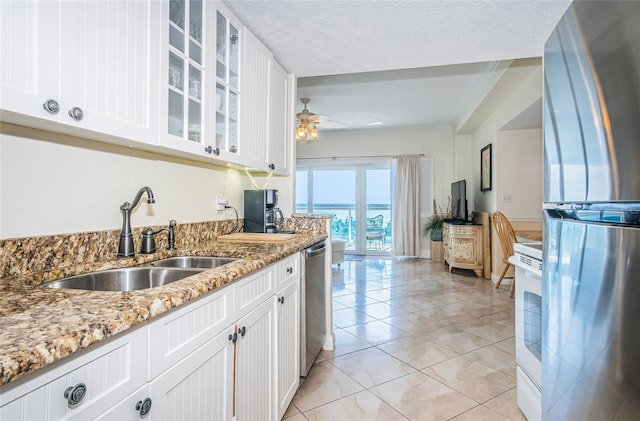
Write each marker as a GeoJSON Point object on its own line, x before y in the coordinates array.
{"type": "Point", "coordinates": [39, 326]}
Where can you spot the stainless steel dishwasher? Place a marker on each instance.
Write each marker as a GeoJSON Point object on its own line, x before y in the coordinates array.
{"type": "Point", "coordinates": [312, 312]}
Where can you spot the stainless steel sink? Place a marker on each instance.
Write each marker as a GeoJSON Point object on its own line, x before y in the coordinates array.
{"type": "Point", "coordinates": [125, 279]}
{"type": "Point", "coordinates": [200, 262]}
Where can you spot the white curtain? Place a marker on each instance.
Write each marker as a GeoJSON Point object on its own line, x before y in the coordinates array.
{"type": "Point", "coordinates": [406, 207]}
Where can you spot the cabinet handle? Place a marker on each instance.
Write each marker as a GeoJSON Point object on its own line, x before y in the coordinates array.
{"type": "Point", "coordinates": [233, 337]}
{"type": "Point", "coordinates": [52, 106]}
{"type": "Point", "coordinates": [289, 270]}
{"type": "Point", "coordinates": [281, 300]}
{"type": "Point", "coordinates": [76, 113]}
{"type": "Point", "coordinates": [143, 407]}
{"type": "Point", "coordinates": [242, 331]}
{"type": "Point", "coordinates": [234, 39]}
{"type": "Point", "coordinates": [216, 151]}
{"type": "Point", "coordinates": [272, 166]}
{"type": "Point", "coordinates": [208, 149]}
{"type": "Point", "coordinates": [74, 395]}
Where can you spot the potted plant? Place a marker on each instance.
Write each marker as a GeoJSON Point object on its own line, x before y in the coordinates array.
{"type": "Point", "coordinates": [434, 226]}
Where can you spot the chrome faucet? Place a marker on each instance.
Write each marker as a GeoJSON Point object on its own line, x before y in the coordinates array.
{"type": "Point", "coordinates": [125, 248]}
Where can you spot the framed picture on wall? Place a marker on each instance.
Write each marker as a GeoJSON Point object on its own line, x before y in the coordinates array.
{"type": "Point", "coordinates": [485, 168]}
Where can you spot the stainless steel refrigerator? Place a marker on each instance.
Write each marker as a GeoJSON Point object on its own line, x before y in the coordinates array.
{"type": "Point", "coordinates": [591, 275]}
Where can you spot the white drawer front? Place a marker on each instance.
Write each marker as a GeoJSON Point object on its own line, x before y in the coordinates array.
{"type": "Point", "coordinates": [287, 270]}
{"type": "Point", "coordinates": [177, 334]}
{"type": "Point", "coordinates": [110, 373]}
{"type": "Point", "coordinates": [253, 290]}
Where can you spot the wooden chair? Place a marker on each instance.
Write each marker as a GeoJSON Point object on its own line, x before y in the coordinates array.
{"type": "Point", "coordinates": [507, 237]}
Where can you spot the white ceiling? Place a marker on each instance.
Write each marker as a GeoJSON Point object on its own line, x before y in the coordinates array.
{"type": "Point", "coordinates": [450, 52]}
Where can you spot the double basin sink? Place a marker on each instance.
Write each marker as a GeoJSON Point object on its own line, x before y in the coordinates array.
{"type": "Point", "coordinates": [151, 275]}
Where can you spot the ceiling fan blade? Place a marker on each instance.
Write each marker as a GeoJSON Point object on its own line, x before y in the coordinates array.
{"type": "Point", "coordinates": [332, 124]}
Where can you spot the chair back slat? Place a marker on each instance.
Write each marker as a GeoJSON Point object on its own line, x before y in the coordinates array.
{"type": "Point", "coordinates": [506, 234]}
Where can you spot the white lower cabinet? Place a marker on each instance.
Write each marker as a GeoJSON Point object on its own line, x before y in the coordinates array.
{"type": "Point", "coordinates": [233, 354]}
{"type": "Point", "coordinates": [97, 379]}
{"type": "Point", "coordinates": [288, 344]}
{"type": "Point", "coordinates": [200, 387]}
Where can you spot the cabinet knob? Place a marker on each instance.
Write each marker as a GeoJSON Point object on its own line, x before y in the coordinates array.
{"type": "Point", "coordinates": [52, 106]}
{"type": "Point", "coordinates": [76, 113]}
{"type": "Point", "coordinates": [216, 151]}
{"type": "Point", "coordinates": [281, 300]}
{"type": "Point", "coordinates": [272, 166]}
{"type": "Point", "coordinates": [233, 337]}
{"type": "Point", "coordinates": [75, 394]}
{"type": "Point", "coordinates": [208, 149]}
{"type": "Point", "coordinates": [289, 270]}
{"type": "Point", "coordinates": [143, 407]}
{"type": "Point", "coordinates": [242, 331]}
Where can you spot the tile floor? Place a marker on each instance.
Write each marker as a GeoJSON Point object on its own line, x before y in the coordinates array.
{"type": "Point", "coordinates": [416, 342]}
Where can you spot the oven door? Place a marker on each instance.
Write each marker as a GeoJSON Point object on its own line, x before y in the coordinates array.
{"type": "Point", "coordinates": [528, 305]}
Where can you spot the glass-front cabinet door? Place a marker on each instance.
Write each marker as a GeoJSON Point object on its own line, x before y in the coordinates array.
{"type": "Point", "coordinates": [227, 87]}
{"type": "Point", "coordinates": [186, 73]}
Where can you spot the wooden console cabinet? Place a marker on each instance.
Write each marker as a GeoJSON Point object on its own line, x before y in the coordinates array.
{"type": "Point", "coordinates": [463, 247]}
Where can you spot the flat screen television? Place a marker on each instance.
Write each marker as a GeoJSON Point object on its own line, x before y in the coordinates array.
{"type": "Point", "coordinates": [459, 200]}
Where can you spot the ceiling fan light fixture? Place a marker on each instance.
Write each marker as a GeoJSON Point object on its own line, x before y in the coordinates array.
{"type": "Point", "coordinates": [306, 129]}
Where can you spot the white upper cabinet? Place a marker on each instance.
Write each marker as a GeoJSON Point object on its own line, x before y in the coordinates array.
{"type": "Point", "coordinates": [280, 113]}
{"type": "Point", "coordinates": [265, 135]}
{"type": "Point", "coordinates": [88, 66]}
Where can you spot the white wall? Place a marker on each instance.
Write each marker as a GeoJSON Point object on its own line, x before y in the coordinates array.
{"type": "Point", "coordinates": [521, 98]}
{"type": "Point", "coordinates": [52, 183]}
{"type": "Point", "coordinates": [519, 173]}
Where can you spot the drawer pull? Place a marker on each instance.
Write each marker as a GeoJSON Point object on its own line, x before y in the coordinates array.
{"type": "Point", "coordinates": [76, 113]}
{"type": "Point", "coordinates": [242, 331]}
{"type": "Point", "coordinates": [52, 106]}
{"type": "Point", "coordinates": [74, 395]}
{"type": "Point", "coordinates": [289, 270]}
{"type": "Point", "coordinates": [143, 407]}
{"type": "Point", "coordinates": [281, 300]}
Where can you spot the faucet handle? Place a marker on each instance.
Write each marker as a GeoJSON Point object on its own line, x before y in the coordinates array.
{"type": "Point", "coordinates": [171, 235]}
{"type": "Point", "coordinates": [148, 241]}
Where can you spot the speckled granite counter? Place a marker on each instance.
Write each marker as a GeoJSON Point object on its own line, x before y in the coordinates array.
{"type": "Point", "coordinates": [39, 326]}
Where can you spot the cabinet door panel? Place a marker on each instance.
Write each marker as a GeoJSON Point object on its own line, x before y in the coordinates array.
{"type": "Point", "coordinates": [254, 105]}
{"type": "Point", "coordinates": [255, 365]}
{"type": "Point", "coordinates": [29, 56]}
{"type": "Point", "coordinates": [199, 387]}
{"type": "Point", "coordinates": [288, 343]}
{"type": "Point", "coordinates": [109, 67]}
{"type": "Point", "coordinates": [279, 131]}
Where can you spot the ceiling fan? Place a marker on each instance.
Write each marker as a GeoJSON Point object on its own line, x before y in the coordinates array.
{"type": "Point", "coordinates": [307, 123]}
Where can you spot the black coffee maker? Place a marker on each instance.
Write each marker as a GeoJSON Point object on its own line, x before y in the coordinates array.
{"type": "Point", "coordinates": [261, 213]}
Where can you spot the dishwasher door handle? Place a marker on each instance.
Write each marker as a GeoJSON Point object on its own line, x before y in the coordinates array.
{"type": "Point", "coordinates": [311, 252]}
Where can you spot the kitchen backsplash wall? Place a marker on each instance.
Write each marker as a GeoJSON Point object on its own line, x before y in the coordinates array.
{"type": "Point", "coordinates": [34, 255]}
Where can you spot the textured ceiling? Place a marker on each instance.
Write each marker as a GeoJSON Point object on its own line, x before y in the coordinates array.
{"type": "Point", "coordinates": [321, 37]}
{"type": "Point", "coordinates": [402, 63]}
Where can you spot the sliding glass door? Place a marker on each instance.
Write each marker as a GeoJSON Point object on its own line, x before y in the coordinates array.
{"type": "Point", "coordinates": [357, 195]}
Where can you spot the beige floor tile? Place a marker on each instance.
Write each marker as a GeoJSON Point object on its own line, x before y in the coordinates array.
{"type": "Point", "coordinates": [371, 367]}
{"type": "Point", "coordinates": [296, 417]}
{"type": "Point", "coordinates": [337, 306]}
{"type": "Point", "coordinates": [506, 404]}
{"type": "Point", "coordinates": [325, 383]}
{"type": "Point", "coordinates": [419, 397]}
{"type": "Point", "coordinates": [352, 300]}
{"type": "Point", "coordinates": [413, 322]}
{"type": "Point", "coordinates": [377, 332]}
{"type": "Point", "coordinates": [508, 346]}
{"type": "Point", "coordinates": [417, 351]}
{"type": "Point", "coordinates": [349, 317]}
{"type": "Point", "coordinates": [363, 406]}
{"type": "Point", "coordinates": [345, 343]}
{"type": "Point", "coordinates": [480, 413]}
{"type": "Point", "coordinates": [496, 358]}
{"type": "Point", "coordinates": [291, 411]}
{"type": "Point", "coordinates": [471, 378]}
{"type": "Point", "coordinates": [456, 339]}
{"type": "Point", "coordinates": [494, 331]}
{"type": "Point", "coordinates": [381, 310]}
